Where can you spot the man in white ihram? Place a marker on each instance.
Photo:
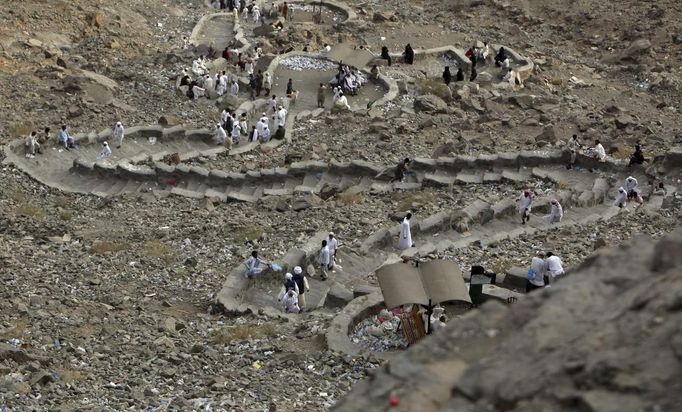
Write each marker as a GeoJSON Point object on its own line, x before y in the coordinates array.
{"type": "Point", "coordinates": [554, 268]}
{"type": "Point", "coordinates": [118, 134]}
{"type": "Point", "coordinates": [405, 241]}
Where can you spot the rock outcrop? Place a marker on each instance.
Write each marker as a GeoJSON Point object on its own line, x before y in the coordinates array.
{"type": "Point", "coordinates": [606, 338]}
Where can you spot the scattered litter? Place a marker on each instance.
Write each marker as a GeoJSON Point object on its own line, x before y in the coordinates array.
{"type": "Point", "coordinates": [379, 333]}
{"type": "Point", "coordinates": [301, 63]}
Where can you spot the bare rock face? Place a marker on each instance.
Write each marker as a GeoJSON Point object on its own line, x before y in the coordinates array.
{"type": "Point", "coordinates": [608, 337]}
{"type": "Point", "coordinates": [430, 103]}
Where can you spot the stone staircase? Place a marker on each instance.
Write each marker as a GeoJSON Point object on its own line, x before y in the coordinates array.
{"type": "Point", "coordinates": [586, 198]}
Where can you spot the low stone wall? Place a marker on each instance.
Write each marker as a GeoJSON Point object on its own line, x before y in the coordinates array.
{"type": "Point", "coordinates": [229, 298]}
{"type": "Point", "coordinates": [386, 82]}
{"type": "Point", "coordinates": [335, 6]}
{"type": "Point", "coordinates": [337, 335]}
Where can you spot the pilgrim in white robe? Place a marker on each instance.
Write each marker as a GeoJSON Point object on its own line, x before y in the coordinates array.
{"type": "Point", "coordinates": [556, 212]}
{"type": "Point", "coordinates": [220, 135]}
{"type": "Point", "coordinates": [405, 240]}
{"type": "Point", "coordinates": [118, 134]}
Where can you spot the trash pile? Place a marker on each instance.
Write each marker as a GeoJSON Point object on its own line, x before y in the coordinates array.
{"type": "Point", "coordinates": [379, 333]}
{"type": "Point", "coordinates": [302, 63]}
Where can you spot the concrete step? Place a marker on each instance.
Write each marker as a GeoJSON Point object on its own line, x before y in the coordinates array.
{"type": "Point", "coordinates": [492, 177]}
{"type": "Point", "coordinates": [516, 176]}
{"type": "Point", "coordinates": [187, 193]}
{"type": "Point", "coordinates": [131, 186]}
{"type": "Point", "coordinates": [468, 178]}
{"type": "Point", "coordinates": [103, 186]}
{"type": "Point", "coordinates": [215, 194]}
{"type": "Point", "coordinates": [240, 197]}
{"type": "Point", "coordinates": [438, 180]}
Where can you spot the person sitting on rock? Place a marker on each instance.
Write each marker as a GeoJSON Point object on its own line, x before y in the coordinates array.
{"type": "Point", "coordinates": [510, 77]}
{"type": "Point", "coordinates": [106, 151]}
{"type": "Point", "coordinates": [537, 274]}
{"type": "Point", "coordinates": [501, 59]}
{"type": "Point", "coordinates": [185, 80]}
{"type": "Point", "coordinates": [597, 151]}
{"type": "Point", "coordinates": [290, 302]}
{"type": "Point", "coordinates": [64, 138]}
{"type": "Point", "coordinates": [621, 198]}
{"type": "Point", "coordinates": [197, 68]}
{"type": "Point", "coordinates": [661, 190]}
{"type": "Point", "coordinates": [385, 54]}
{"type": "Point", "coordinates": [556, 212]}
{"type": "Point", "coordinates": [280, 133]}
{"type": "Point", "coordinates": [459, 76]}
{"type": "Point", "coordinates": [632, 189]}
{"type": "Point", "coordinates": [525, 202]}
{"type": "Point", "coordinates": [32, 145]}
{"type": "Point", "coordinates": [637, 157]}
{"type": "Point", "coordinates": [342, 102]}
{"type": "Point", "coordinates": [303, 286]}
{"type": "Point", "coordinates": [326, 49]}
{"type": "Point", "coordinates": [437, 319]}
{"type": "Point", "coordinates": [400, 170]}
{"type": "Point", "coordinates": [289, 284]}
{"type": "Point", "coordinates": [554, 267]}
{"type": "Point", "coordinates": [253, 265]}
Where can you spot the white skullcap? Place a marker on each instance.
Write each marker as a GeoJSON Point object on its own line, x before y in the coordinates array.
{"type": "Point", "coordinates": [298, 270]}
{"type": "Point", "coordinates": [331, 234]}
{"type": "Point", "coordinates": [106, 144]}
{"type": "Point", "coordinates": [288, 276]}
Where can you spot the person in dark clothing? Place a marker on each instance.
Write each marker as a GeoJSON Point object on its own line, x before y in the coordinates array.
{"type": "Point", "coordinates": [400, 170]}
{"type": "Point", "coordinates": [185, 81]}
{"type": "Point", "coordinates": [409, 54]}
{"type": "Point", "coordinates": [227, 54]}
{"type": "Point", "coordinates": [303, 286]}
{"type": "Point", "coordinates": [279, 134]}
{"type": "Point", "coordinates": [473, 59]}
{"type": "Point", "coordinates": [474, 73]}
{"type": "Point", "coordinates": [385, 55]}
{"type": "Point", "coordinates": [242, 4]}
{"type": "Point", "coordinates": [447, 76]}
{"type": "Point", "coordinates": [500, 57]}
{"type": "Point", "coordinates": [637, 157]}
{"type": "Point", "coordinates": [290, 87]}
{"type": "Point", "coordinates": [459, 77]}
{"type": "Point", "coordinates": [259, 82]}
{"type": "Point", "coordinates": [253, 84]}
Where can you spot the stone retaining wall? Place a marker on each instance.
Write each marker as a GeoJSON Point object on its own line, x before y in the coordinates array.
{"type": "Point", "coordinates": [337, 335]}
{"type": "Point", "coordinates": [229, 298]}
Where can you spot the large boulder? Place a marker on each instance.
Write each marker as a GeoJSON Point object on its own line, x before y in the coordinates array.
{"type": "Point", "coordinates": [430, 103]}
{"type": "Point", "coordinates": [548, 135]}
{"type": "Point", "coordinates": [338, 296]}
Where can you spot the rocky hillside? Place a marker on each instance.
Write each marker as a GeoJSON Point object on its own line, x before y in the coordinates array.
{"type": "Point", "coordinates": [607, 338]}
